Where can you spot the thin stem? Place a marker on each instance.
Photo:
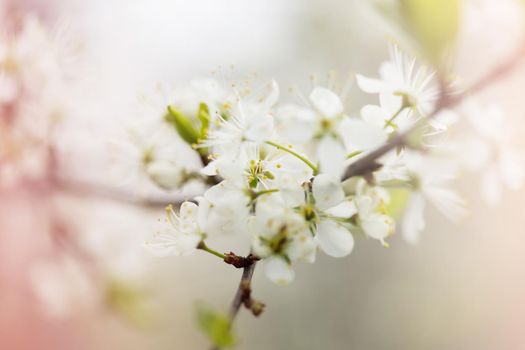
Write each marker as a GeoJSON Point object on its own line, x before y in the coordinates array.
{"type": "Point", "coordinates": [261, 192]}
{"type": "Point", "coordinates": [353, 154]}
{"type": "Point", "coordinates": [203, 246]}
{"type": "Point", "coordinates": [295, 154]}
{"type": "Point", "coordinates": [390, 121]}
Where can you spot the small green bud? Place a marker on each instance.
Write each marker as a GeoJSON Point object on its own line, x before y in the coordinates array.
{"type": "Point", "coordinates": [215, 325]}
{"type": "Point", "coordinates": [183, 125]}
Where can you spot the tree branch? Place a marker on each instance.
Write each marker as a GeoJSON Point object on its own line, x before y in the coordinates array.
{"type": "Point", "coordinates": [366, 165]}
{"type": "Point", "coordinates": [243, 296]}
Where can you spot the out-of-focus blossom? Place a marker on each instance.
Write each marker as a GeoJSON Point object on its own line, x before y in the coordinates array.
{"type": "Point", "coordinates": [33, 90]}
{"type": "Point", "coordinates": [491, 150]}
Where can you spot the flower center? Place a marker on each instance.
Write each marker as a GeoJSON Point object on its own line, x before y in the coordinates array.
{"type": "Point", "coordinates": [257, 173]}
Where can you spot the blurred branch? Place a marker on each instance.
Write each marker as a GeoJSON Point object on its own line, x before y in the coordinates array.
{"type": "Point", "coordinates": [366, 165]}
{"type": "Point", "coordinates": [86, 189]}
{"type": "Point", "coordinates": [499, 72]}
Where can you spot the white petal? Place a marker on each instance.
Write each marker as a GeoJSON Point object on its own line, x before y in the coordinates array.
{"type": "Point", "coordinates": [291, 191]}
{"type": "Point", "coordinates": [369, 85]}
{"type": "Point", "coordinates": [413, 220]}
{"type": "Point", "coordinates": [261, 129]}
{"type": "Point", "coordinates": [210, 169]}
{"type": "Point", "coordinates": [188, 243]}
{"type": "Point", "coordinates": [188, 213]}
{"type": "Point", "coordinates": [260, 249]}
{"type": "Point", "coordinates": [360, 135]}
{"type": "Point", "coordinates": [365, 205]}
{"type": "Point", "coordinates": [273, 95]}
{"type": "Point", "coordinates": [448, 202]}
{"type": "Point", "coordinates": [171, 242]}
{"type": "Point", "coordinates": [332, 156]}
{"type": "Point", "coordinates": [344, 210]}
{"type": "Point", "coordinates": [327, 191]}
{"type": "Point", "coordinates": [230, 168]}
{"type": "Point", "coordinates": [390, 72]}
{"type": "Point", "coordinates": [302, 247]}
{"type": "Point", "coordinates": [203, 212]}
{"type": "Point", "coordinates": [378, 226]}
{"type": "Point", "coordinates": [165, 175]}
{"type": "Point", "coordinates": [297, 124]}
{"type": "Point", "coordinates": [334, 239]}
{"type": "Point", "coordinates": [278, 270]}
{"type": "Point", "coordinates": [443, 120]}
{"type": "Point", "coordinates": [374, 115]}
{"type": "Point", "coordinates": [390, 102]}
{"type": "Point", "coordinates": [326, 102]}
{"type": "Point", "coordinates": [226, 194]}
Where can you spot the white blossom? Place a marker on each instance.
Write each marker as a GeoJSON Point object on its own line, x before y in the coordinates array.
{"type": "Point", "coordinates": [181, 234]}
{"type": "Point", "coordinates": [402, 78]}
{"type": "Point", "coordinates": [276, 170]}
{"type": "Point", "coordinates": [491, 151]}
{"type": "Point", "coordinates": [282, 237]}
{"type": "Point", "coordinates": [430, 182]}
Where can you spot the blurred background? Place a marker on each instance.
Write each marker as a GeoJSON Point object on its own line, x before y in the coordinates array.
{"type": "Point", "coordinates": [73, 274]}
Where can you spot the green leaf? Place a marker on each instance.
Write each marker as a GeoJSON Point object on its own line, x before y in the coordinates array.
{"type": "Point", "coordinates": [398, 202]}
{"type": "Point", "coordinates": [434, 23]}
{"type": "Point", "coordinates": [129, 301]}
{"type": "Point", "coordinates": [215, 325]}
{"type": "Point", "coordinates": [183, 125]}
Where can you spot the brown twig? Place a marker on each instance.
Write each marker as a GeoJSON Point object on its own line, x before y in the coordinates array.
{"type": "Point", "coordinates": [240, 261]}
{"type": "Point", "coordinates": [243, 296]}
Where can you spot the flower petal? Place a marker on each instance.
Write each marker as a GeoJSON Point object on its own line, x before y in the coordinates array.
{"type": "Point", "coordinates": [327, 191]}
{"type": "Point", "coordinates": [378, 226]}
{"type": "Point", "coordinates": [372, 86]}
{"type": "Point", "coordinates": [390, 102]}
{"type": "Point", "coordinates": [374, 115]}
{"type": "Point", "coordinates": [448, 202]}
{"type": "Point", "coordinates": [360, 135]}
{"type": "Point", "coordinates": [344, 210]}
{"type": "Point", "coordinates": [334, 239]}
{"type": "Point", "coordinates": [332, 156]}
{"type": "Point", "coordinates": [165, 175]}
{"type": "Point", "coordinates": [278, 270]}
{"type": "Point", "coordinates": [188, 213]}
{"type": "Point", "coordinates": [260, 129]}
{"type": "Point", "coordinates": [326, 102]}
{"type": "Point", "coordinates": [291, 192]}
{"type": "Point", "coordinates": [413, 222]}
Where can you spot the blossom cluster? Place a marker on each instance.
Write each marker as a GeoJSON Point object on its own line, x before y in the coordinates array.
{"type": "Point", "coordinates": [32, 95]}
{"type": "Point", "coordinates": [276, 171]}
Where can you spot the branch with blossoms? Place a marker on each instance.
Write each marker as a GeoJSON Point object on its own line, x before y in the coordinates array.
{"type": "Point", "coordinates": [293, 179]}
{"type": "Point", "coordinates": [299, 179]}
